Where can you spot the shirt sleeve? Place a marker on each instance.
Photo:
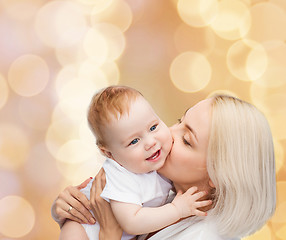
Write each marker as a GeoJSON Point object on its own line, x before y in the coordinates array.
{"type": "Point", "coordinates": [121, 185]}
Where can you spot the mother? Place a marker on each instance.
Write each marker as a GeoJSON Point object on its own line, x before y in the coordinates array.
{"type": "Point", "coordinates": [222, 145]}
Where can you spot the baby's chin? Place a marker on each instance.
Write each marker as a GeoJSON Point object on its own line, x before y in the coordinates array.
{"type": "Point", "coordinates": [160, 165]}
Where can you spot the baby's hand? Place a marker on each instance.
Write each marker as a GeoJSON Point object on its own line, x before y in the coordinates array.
{"type": "Point", "coordinates": [187, 204]}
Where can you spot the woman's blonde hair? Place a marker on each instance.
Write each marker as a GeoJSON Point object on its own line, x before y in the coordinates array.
{"type": "Point", "coordinates": [241, 165]}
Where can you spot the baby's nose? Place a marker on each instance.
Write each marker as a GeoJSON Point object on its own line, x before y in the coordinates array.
{"type": "Point", "coordinates": [150, 142]}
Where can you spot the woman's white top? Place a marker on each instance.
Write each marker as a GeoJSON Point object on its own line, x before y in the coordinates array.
{"type": "Point", "coordinates": [193, 228]}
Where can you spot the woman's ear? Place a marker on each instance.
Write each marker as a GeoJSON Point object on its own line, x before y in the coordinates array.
{"type": "Point", "coordinates": [211, 183]}
{"type": "Point", "coordinates": [106, 152]}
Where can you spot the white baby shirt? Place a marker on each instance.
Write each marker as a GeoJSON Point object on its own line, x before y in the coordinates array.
{"type": "Point", "coordinates": [147, 190]}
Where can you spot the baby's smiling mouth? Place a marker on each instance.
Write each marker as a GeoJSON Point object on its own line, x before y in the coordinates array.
{"type": "Point", "coordinates": [154, 156]}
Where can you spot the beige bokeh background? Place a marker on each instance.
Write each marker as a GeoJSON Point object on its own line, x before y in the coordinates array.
{"type": "Point", "coordinates": [55, 54]}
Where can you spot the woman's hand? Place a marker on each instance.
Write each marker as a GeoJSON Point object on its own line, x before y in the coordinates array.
{"type": "Point", "coordinates": [109, 227]}
{"type": "Point", "coordinates": [72, 204]}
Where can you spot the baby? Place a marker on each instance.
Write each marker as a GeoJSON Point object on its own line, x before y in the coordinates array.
{"type": "Point", "coordinates": [136, 143]}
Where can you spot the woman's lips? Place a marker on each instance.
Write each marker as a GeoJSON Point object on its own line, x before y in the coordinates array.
{"type": "Point", "coordinates": [154, 157]}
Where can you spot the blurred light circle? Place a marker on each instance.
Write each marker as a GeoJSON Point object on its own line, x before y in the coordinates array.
{"type": "Point", "coordinates": [41, 180]}
{"type": "Point", "coordinates": [139, 7]}
{"type": "Point", "coordinates": [281, 232]}
{"type": "Point", "coordinates": [75, 151]}
{"type": "Point", "coordinates": [60, 23]}
{"type": "Point", "coordinates": [14, 146]}
{"type": "Point", "coordinates": [99, 4]}
{"type": "Point", "coordinates": [279, 155]}
{"type": "Point", "coordinates": [35, 112]}
{"type": "Point", "coordinates": [279, 3]}
{"type": "Point", "coordinates": [28, 75]}
{"type": "Point", "coordinates": [4, 91]}
{"type": "Point", "coordinates": [89, 71]}
{"type": "Point", "coordinates": [268, 22]}
{"type": "Point", "coordinates": [197, 13]}
{"type": "Point", "coordinates": [267, 100]}
{"type": "Point", "coordinates": [233, 20]}
{"type": "Point", "coordinates": [17, 216]}
{"type": "Point", "coordinates": [279, 215]}
{"type": "Point", "coordinates": [190, 72]}
{"type": "Point", "coordinates": [14, 186]}
{"type": "Point", "coordinates": [247, 60]}
{"type": "Point", "coordinates": [111, 71]}
{"type": "Point", "coordinates": [117, 13]}
{"type": "Point", "coordinates": [85, 133]}
{"type": "Point", "coordinates": [66, 74]}
{"type": "Point", "coordinates": [88, 168]}
{"type": "Point", "coordinates": [114, 39]}
{"type": "Point", "coordinates": [95, 46]}
{"type": "Point", "coordinates": [204, 42]}
{"type": "Point", "coordinates": [275, 74]}
{"type": "Point", "coordinates": [222, 92]}
{"type": "Point", "coordinates": [276, 120]}
{"type": "Point", "coordinates": [59, 132]}
{"type": "Point", "coordinates": [76, 95]}
{"type": "Point", "coordinates": [20, 9]}
{"type": "Point", "coordinates": [263, 234]}
{"type": "Point", "coordinates": [70, 54]}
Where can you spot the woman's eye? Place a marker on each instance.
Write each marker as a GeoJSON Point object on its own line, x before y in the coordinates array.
{"type": "Point", "coordinates": [186, 142]}
{"type": "Point", "coordinates": [134, 141]}
{"type": "Point", "coordinates": [153, 127]}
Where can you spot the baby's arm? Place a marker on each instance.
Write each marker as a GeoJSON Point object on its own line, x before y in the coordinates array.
{"type": "Point", "coordinates": [72, 230]}
{"type": "Point", "coordinates": [136, 220]}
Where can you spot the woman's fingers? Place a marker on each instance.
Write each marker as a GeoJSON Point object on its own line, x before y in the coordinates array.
{"type": "Point", "coordinates": [97, 187]}
{"type": "Point", "coordinates": [84, 184]}
{"type": "Point", "coordinates": [102, 209]}
{"type": "Point", "coordinates": [72, 197]}
{"type": "Point", "coordinates": [68, 215]}
{"type": "Point", "coordinates": [68, 209]}
{"type": "Point", "coordinates": [100, 180]}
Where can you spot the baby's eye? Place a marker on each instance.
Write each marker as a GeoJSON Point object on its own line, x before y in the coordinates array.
{"type": "Point", "coordinates": [134, 141]}
{"type": "Point", "coordinates": [153, 127]}
{"type": "Point", "coordinates": [179, 120]}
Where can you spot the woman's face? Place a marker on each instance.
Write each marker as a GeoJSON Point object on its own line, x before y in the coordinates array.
{"type": "Point", "coordinates": [186, 163]}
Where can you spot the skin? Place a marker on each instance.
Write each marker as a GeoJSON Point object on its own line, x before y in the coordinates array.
{"type": "Point", "coordinates": [139, 140]}
{"type": "Point", "coordinates": [186, 163]}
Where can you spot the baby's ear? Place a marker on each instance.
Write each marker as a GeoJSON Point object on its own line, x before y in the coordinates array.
{"type": "Point", "coordinates": [106, 152]}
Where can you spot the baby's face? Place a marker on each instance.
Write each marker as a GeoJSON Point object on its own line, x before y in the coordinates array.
{"type": "Point", "coordinates": [139, 141]}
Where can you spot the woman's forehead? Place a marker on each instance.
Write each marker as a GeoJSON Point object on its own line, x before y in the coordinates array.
{"type": "Point", "coordinates": [199, 118]}
{"type": "Point", "coordinates": [200, 109]}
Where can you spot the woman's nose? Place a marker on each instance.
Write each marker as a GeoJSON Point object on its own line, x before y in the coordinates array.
{"type": "Point", "coordinates": [173, 128]}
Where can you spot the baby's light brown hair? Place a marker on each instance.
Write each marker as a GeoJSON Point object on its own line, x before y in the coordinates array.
{"type": "Point", "coordinates": [108, 104]}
